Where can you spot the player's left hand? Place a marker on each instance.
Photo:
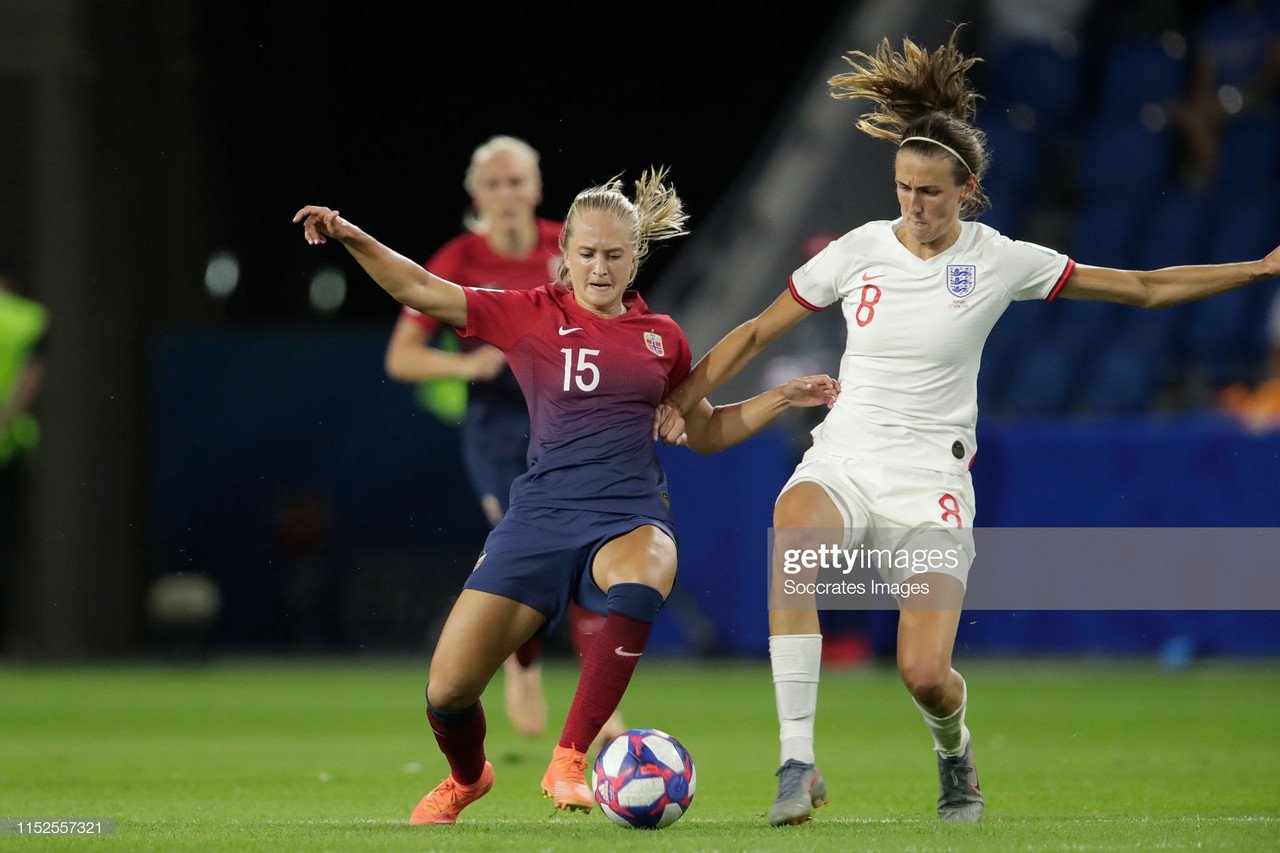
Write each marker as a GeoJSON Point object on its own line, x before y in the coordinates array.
{"type": "Point", "coordinates": [809, 391]}
{"type": "Point", "coordinates": [668, 425]}
{"type": "Point", "coordinates": [1271, 263]}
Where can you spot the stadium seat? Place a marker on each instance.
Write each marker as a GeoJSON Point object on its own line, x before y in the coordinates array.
{"type": "Point", "coordinates": [1084, 328]}
{"type": "Point", "coordinates": [1106, 235]}
{"type": "Point", "coordinates": [1123, 381]}
{"type": "Point", "coordinates": [1123, 162]}
{"type": "Point", "coordinates": [1156, 331]}
{"type": "Point", "coordinates": [1250, 155]}
{"type": "Point", "coordinates": [1175, 231]}
{"type": "Point", "coordinates": [1261, 297]}
{"type": "Point", "coordinates": [1221, 333]}
{"type": "Point", "coordinates": [1038, 76]}
{"type": "Point", "coordinates": [1005, 218]}
{"type": "Point", "coordinates": [1243, 229]}
{"type": "Point", "coordinates": [1138, 73]}
{"type": "Point", "coordinates": [1043, 382]}
{"type": "Point", "coordinates": [1012, 178]}
{"type": "Point", "coordinates": [1014, 336]}
{"type": "Point", "coordinates": [1216, 335]}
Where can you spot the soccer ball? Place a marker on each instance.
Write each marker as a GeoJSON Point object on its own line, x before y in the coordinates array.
{"type": "Point", "coordinates": [644, 779]}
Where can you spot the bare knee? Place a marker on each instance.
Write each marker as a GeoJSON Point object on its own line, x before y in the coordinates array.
{"type": "Point", "coordinates": [644, 556]}
{"type": "Point", "coordinates": [806, 505]}
{"type": "Point", "coordinates": [927, 680]}
{"type": "Point", "coordinates": [450, 695]}
{"type": "Point", "coordinates": [450, 691]}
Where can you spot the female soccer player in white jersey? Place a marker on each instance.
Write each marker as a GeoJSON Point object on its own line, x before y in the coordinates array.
{"type": "Point", "coordinates": [590, 521]}
{"type": "Point", "coordinates": [920, 294]}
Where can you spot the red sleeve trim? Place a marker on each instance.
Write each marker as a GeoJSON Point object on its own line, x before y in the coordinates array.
{"type": "Point", "coordinates": [1062, 280]}
{"type": "Point", "coordinates": [791, 285]}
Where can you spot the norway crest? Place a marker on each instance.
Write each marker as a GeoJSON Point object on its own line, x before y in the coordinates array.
{"type": "Point", "coordinates": [653, 341]}
{"type": "Point", "coordinates": [961, 279]}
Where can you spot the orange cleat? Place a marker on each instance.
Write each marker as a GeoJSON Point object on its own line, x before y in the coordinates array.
{"type": "Point", "coordinates": [450, 797]}
{"type": "Point", "coordinates": [565, 780]}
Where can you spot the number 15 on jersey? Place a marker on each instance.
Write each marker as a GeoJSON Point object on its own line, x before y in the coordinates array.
{"type": "Point", "coordinates": [585, 368]}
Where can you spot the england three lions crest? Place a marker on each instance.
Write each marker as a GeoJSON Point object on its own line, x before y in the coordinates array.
{"type": "Point", "coordinates": [653, 341]}
{"type": "Point", "coordinates": [961, 279]}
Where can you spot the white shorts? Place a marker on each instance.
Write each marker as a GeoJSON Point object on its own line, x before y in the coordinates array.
{"type": "Point", "coordinates": [896, 507]}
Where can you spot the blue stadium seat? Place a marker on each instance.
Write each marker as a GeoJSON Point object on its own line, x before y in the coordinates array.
{"type": "Point", "coordinates": [1043, 383]}
{"type": "Point", "coordinates": [1243, 228]}
{"type": "Point", "coordinates": [1217, 334]}
{"type": "Point", "coordinates": [1011, 179]}
{"type": "Point", "coordinates": [1250, 155]}
{"type": "Point", "coordinates": [1005, 218]}
{"type": "Point", "coordinates": [1124, 380]}
{"type": "Point", "coordinates": [1175, 232]}
{"type": "Point", "coordinates": [1157, 331]}
{"type": "Point", "coordinates": [1015, 334]}
{"type": "Point", "coordinates": [1261, 298]}
{"type": "Point", "coordinates": [1084, 328]}
{"type": "Point", "coordinates": [1139, 73]}
{"type": "Point", "coordinates": [1035, 75]}
{"type": "Point", "coordinates": [1222, 332]}
{"type": "Point", "coordinates": [1106, 235]}
{"type": "Point", "coordinates": [1123, 162]}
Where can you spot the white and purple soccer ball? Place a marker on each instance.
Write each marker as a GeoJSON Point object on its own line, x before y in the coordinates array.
{"type": "Point", "coordinates": [644, 779]}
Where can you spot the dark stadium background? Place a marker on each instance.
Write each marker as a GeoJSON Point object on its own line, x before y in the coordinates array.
{"type": "Point", "coordinates": [257, 443]}
{"type": "Point", "coordinates": [375, 109]}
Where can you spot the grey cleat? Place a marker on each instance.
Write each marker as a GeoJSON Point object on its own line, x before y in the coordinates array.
{"type": "Point", "coordinates": [800, 791]}
{"type": "Point", "coordinates": [960, 798]}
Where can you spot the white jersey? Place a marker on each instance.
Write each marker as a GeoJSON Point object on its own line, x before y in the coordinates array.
{"type": "Point", "coordinates": [909, 373]}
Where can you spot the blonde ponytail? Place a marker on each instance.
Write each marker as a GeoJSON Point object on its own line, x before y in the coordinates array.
{"type": "Point", "coordinates": [656, 213]}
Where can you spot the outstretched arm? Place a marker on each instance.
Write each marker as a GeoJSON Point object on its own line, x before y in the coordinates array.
{"type": "Point", "coordinates": [1169, 286]}
{"type": "Point", "coordinates": [736, 350]}
{"type": "Point", "coordinates": [711, 429]}
{"type": "Point", "coordinates": [409, 283]}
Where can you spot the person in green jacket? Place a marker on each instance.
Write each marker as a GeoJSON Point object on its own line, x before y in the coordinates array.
{"type": "Point", "coordinates": [22, 326]}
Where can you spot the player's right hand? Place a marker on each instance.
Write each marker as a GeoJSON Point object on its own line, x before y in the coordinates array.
{"type": "Point", "coordinates": [320, 223]}
{"type": "Point", "coordinates": [668, 425]}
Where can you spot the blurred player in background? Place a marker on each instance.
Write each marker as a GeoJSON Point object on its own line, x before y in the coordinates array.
{"type": "Point", "coordinates": [919, 295]}
{"type": "Point", "coordinates": [506, 246]}
{"type": "Point", "coordinates": [1258, 408]}
{"type": "Point", "coordinates": [22, 327]}
{"type": "Point", "coordinates": [590, 521]}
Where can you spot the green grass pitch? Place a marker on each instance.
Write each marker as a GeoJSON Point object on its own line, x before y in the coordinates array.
{"type": "Point", "coordinates": [286, 755]}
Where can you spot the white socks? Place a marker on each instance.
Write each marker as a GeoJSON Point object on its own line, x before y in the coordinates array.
{"type": "Point", "coordinates": [795, 659]}
{"type": "Point", "coordinates": [950, 735]}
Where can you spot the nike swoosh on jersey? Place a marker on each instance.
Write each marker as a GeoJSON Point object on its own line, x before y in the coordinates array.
{"type": "Point", "coordinates": [866, 277]}
{"type": "Point", "coordinates": [620, 651]}
{"type": "Point", "coordinates": [564, 331]}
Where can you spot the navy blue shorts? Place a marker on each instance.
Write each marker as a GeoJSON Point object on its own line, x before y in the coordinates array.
{"type": "Point", "coordinates": [495, 449]}
{"type": "Point", "coordinates": [541, 557]}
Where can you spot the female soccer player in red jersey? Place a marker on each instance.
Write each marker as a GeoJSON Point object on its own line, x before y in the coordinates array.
{"type": "Point", "coordinates": [506, 246]}
{"type": "Point", "coordinates": [591, 519]}
{"type": "Point", "coordinates": [919, 294]}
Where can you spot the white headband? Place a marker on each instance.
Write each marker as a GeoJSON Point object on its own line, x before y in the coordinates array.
{"type": "Point", "coordinates": [940, 145]}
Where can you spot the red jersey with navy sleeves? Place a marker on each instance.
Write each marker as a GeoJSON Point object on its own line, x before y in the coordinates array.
{"type": "Point", "coordinates": [591, 385]}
